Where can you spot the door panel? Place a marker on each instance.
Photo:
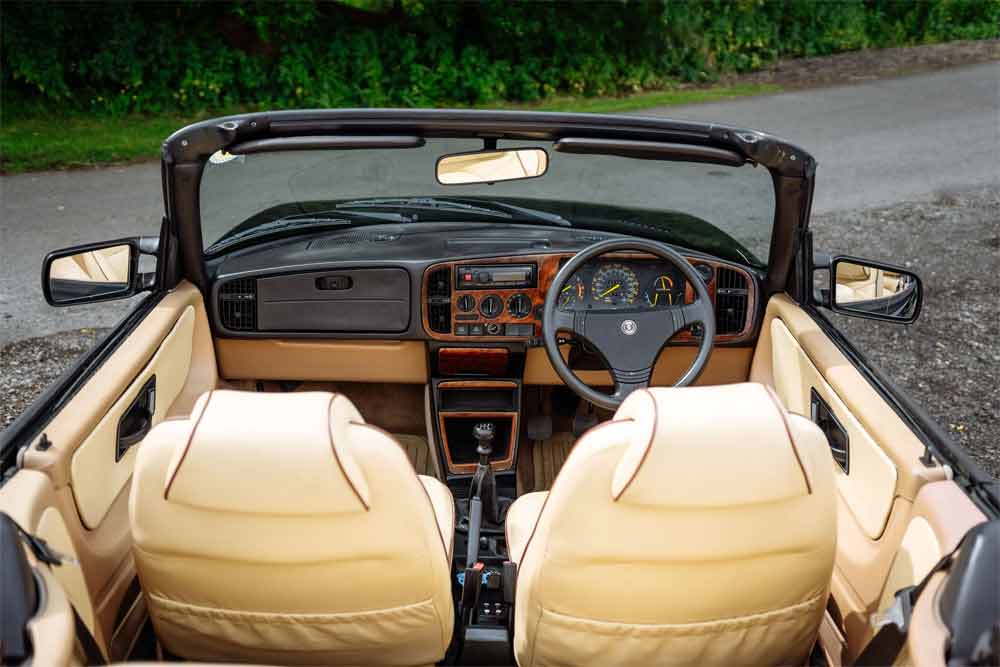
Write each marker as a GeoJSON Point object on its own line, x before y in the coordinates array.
{"type": "Point", "coordinates": [867, 492]}
{"type": "Point", "coordinates": [83, 505]}
{"type": "Point", "coordinates": [96, 458]}
{"type": "Point", "coordinates": [883, 540]}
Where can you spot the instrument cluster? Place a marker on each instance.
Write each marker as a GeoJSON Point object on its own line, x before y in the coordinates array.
{"type": "Point", "coordinates": [624, 285]}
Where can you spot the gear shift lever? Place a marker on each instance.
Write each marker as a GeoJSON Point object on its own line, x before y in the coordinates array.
{"type": "Point", "coordinates": [483, 482]}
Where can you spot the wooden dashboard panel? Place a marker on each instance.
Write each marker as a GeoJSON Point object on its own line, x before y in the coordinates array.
{"type": "Point", "coordinates": [548, 266]}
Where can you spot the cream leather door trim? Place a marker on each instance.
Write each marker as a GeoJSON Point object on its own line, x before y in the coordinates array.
{"type": "Point", "coordinates": [870, 487]}
{"type": "Point", "coordinates": [917, 554]}
{"type": "Point", "coordinates": [325, 360]}
{"type": "Point", "coordinates": [95, 477]}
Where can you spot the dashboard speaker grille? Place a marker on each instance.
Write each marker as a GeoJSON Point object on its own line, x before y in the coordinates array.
{"type": "Point", "coordinates": [439, 300]}
{"type": "Point", "coordinates": [238, 304]}
{"type": "Point", "coordinates": [730, 301]}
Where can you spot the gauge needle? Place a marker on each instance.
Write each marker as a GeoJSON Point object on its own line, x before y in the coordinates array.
{"type": "Point", "coordinates": [611, 289]}
{"type": "Point", "coordinates": [567, 288]}
{"type": "Point", "coordinates": [656, 298]}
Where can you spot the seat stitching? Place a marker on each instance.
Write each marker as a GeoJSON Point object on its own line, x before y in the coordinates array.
{"type": "Point", "coordinates": [336, 456]}
{"type": "Point", "coordinates": [788, 431]}
{"type": "Point", "coordinates": [187, 446]}
{"type": "Point", "coordinates": [645, 452]}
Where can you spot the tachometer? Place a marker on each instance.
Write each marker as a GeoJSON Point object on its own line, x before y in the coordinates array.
{"type": "Point", "coordinates": [615, 284]}
{"type": "Point", "coordinates": [572, 292]}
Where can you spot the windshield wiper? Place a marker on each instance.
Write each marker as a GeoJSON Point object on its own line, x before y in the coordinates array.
{"type": "Point", "coordinates": [489, 208]}
{"type": "Point", "coordinates": [315, 220]}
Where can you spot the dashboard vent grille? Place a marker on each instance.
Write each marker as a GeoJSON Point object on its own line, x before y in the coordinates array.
{"type": "Point", "coordinates": [439, 300]}
{"type": "Point", "coordinates": [238, 304]}
{"type": "Point", "coordinates": [351, 238]}
{"type": "Point", "coordinates": [730, 301]}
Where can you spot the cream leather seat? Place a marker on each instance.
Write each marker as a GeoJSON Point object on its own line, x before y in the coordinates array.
{"type": "Point", "coordinates": [697, 527]}
{"type": "Point", "coordinates": [280, 528]}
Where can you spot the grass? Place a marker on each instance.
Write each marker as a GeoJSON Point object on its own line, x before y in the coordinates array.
{"type": "Point", "coordinates": [33, 143]}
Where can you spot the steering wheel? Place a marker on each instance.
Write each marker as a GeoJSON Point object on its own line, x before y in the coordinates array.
{"type": "Point", "coordinates": [629, 340]}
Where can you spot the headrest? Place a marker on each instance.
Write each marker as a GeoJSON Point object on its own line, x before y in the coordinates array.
{"type": "Point", "coordinates": [718, 446]}
{"type": "Point", "coordinates": [269, 453]}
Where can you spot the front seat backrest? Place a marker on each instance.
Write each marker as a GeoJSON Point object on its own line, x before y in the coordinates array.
{"type": "Point", "coordinates": [280, 528]}
{"type": "Point", "coordinates": [696, 528]}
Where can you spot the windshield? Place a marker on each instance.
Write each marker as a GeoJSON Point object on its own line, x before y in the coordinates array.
{"type": "Point", "coordinates": [676, 201]}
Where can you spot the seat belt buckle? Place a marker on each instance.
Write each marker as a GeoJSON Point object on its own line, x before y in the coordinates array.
{"type": "Point", "coordinates": [899, 612]}
{"type": "Point", "coordinates": [471, 585]}
{"type": "Point", "coordinates": [509, 582]}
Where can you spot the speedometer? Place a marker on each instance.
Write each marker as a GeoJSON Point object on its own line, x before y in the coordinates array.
{"type": "Point", "coordinates": [615, 284]}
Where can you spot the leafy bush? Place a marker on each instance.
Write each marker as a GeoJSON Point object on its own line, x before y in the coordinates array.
{"type": "Point", "coordinates": [125, 57]}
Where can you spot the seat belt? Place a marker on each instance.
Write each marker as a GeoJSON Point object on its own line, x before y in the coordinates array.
{"type": "Point", "coordinates": [885, 646]}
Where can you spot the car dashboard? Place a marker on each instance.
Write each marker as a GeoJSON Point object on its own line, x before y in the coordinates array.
{"type": "Point", "coordinates": [467, 284]}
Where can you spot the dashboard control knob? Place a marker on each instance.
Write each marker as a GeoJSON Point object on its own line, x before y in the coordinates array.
{"type": "Point", "coordinates": [493, 328]}
{"type": "Point", "coordinates": [519, 305]}
{"type": "Point", "coordinates": [491, 306]}
{"type": "Point", "coordinates": [466, 302]}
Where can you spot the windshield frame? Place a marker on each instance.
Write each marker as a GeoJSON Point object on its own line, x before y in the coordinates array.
{"type": "Point", "coordinates": [186, 152]}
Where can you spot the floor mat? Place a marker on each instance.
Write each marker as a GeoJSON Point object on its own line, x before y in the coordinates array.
{"type": "Point", "coordinates": [549, 456]}
{"type": "Point", "coordinates": [418, 452]}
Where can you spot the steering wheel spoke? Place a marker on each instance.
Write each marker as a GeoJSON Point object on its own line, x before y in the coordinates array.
{"type": "Point", "coordinates": [686, 315]}
{"type": "Point", "coordinates": [628, 381]}
{"type": "Point", "coordinates": [569, 320]}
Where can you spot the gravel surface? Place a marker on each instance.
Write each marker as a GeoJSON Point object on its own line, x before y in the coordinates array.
{"type": "Point", "coordinates": [870, 64]}
{"type": "Point", "coordinates": [949, 360]}
{"type": "Point", "coordinates": [28, 367]}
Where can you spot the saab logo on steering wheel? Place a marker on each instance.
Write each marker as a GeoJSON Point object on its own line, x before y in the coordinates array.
{"type": "Point", "coordinates": [629, 327]}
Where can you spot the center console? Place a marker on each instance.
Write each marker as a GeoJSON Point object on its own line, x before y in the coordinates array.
{"type": "Point", "coordinates": [476, 396]}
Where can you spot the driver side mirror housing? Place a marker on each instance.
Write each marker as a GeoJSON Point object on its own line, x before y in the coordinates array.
{"type": "Point", "coordinates": [868, 289]}
{"type": "Point", "coordinates": [94, 272]}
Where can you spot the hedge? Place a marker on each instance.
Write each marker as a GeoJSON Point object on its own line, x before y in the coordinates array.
{"type": "Point", "coordinates": [154, 57]}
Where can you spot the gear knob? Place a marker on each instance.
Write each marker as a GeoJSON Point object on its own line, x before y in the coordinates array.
{"type": "Point", "coordinates": [484, 433]}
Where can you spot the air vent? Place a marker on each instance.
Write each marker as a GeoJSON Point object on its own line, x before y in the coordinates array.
{"type": "Point", "coordinates": [352, 238]}
{"type": "Point", "coordinates": [238, 304]}
{"type": "Point", "coordinates": [590, 238]}
{"type": "Point", "coordinates": [730, 301]}
{"type": "Point", "coordinates": [439, 300]}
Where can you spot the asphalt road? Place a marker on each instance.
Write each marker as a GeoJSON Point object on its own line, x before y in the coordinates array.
{"type": "Point", "coordinates": [877, 143]}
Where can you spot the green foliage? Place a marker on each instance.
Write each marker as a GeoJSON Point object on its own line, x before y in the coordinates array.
{"type": "Point", "coordinates": [152, 57]}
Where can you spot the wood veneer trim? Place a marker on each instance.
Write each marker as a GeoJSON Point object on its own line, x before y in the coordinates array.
{"type": "Point", "coordinates": [477, 384]}
{"type": "Point", "coordinates": [499, 465]}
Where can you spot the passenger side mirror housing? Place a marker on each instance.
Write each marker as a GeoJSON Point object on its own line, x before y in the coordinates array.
{"type": "Point", "coordinates": [96, 272]}
{"type": "Point", "coordinates": [872, 290]}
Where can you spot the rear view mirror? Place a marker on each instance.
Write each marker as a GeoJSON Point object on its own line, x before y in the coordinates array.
{"type": "Point", "coordinates": [875, 291]}
{"type": "Point", "coordinates": [92, 272]}
{"type": "Point", "coordinates": [492, 166]}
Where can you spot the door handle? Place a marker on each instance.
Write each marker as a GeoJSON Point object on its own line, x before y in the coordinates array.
{"type": "Point", "coordinates": [137, 420]}
{"type": "Point", "coordinates": [836, 434]}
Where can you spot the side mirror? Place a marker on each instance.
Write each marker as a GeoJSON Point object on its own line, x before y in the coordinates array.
{"type": "Point", "coordinates": [491, 166]}
{"type": "Point", "coordinates": [862, 288]}
{"type": "Point", "coordinates": [97, 271]}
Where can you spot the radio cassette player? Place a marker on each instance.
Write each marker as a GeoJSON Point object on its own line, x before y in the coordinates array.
{"type": "Point", "coordinates": [496, 276]}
